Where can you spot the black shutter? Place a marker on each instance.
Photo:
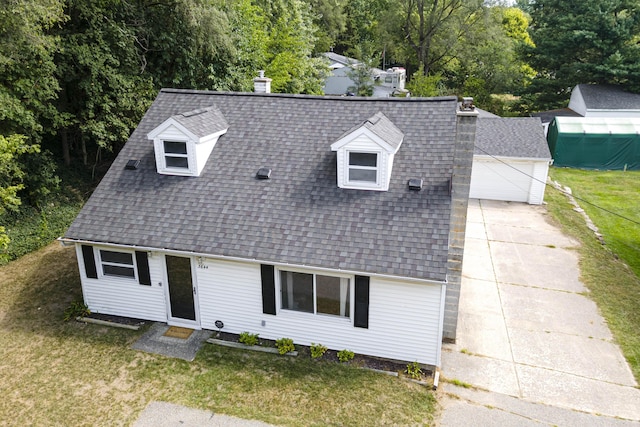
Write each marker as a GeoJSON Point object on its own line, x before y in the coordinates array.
{"type": "Point", "coordinates": [144, 278]}
{"type": "Point", "coordinates": [268, 289]}
{"type": "Point", "coordinates": [89, 262]}
{"type": "Point", "coordinates": [361, 317]}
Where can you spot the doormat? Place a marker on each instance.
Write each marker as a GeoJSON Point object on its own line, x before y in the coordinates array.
{"type": "Point", "coordinates": [177, 332]}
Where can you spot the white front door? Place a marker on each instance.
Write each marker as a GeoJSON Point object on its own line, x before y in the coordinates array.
{"type": "Point", "coordinates": [182, 303]}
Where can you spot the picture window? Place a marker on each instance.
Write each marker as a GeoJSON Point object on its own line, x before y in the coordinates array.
{"type": "Point", "coordinates": [315, 293]}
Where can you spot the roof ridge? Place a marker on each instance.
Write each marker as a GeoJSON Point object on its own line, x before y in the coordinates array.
{"type": "Point", "coordinates": [305, 96]}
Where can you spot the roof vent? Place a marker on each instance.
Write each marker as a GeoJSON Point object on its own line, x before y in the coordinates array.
{"type": "Point", "coordinates": [415, 184]}
{"type": "Point", "coordinates": [263, 173]}
{"type": "Point", "coordinates": [132, 164]}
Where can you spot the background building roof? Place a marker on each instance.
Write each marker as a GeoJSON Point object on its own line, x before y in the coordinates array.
{"type": "Point", "coordinates": [608, 97]}
{"type": "Point", "coordinates": [511, 137]}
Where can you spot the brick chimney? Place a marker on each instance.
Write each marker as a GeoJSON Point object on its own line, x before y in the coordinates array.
{"type": "Point", "coordinates": [460, 180]}
{"type": "Point", "coordinates": [262, 84]}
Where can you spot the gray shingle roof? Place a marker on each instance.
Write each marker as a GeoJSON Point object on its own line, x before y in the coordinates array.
{"type": "Point", "coordinates": [382, 127]}
{"type": "Point", "coordinates": [202, 121]}
{"type": "Point", "coordinates": [299, 215]}
{"type": "Point", "coordinates": [609, 97]}
{"type": "Point", "coordinates": [511, 137]}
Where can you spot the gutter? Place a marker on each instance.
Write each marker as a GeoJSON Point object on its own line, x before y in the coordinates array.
{"type": "Point", "coordinates": [72, 242]}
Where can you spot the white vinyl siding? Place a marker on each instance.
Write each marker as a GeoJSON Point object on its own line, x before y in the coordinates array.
{"type": "Point", "coordinates": [124, 297]}
{"type": "Point", "coordinates": [508, 179]}
{"type": "Point", "coordinates": [404, 318]}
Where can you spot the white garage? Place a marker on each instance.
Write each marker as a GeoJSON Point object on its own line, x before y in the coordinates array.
{"type": "Point", "coordinates": [511, 160]}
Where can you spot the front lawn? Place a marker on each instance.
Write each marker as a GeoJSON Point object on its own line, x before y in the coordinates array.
{"type": "Point", "coordinates": [57, 373]}
{"type": "Point", "coordinates": [611, 272]}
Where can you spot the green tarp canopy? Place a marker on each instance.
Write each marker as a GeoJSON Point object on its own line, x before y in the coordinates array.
{"type": "Point", "coordinates": [595, 142]}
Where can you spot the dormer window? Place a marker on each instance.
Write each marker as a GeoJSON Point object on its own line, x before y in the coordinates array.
{"type": "Point", "coordinates": [366, 152]}
{"type": "Point", "coordinates": [363, 167]}
{"type": "Point", "coordinates": [183, 142]}
{"type": "Point", "coordinates": [175, 154]}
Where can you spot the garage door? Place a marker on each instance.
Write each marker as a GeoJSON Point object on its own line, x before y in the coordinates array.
{"type": "Point", "coordinates": [495, 180]}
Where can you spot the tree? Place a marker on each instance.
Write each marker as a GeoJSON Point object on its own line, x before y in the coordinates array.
{"type": "Point", "coordinates": [291, 42]}
{"type": "Point", "coordinates": [362, 77]}
{"type": "Point", "coordinates": [103, 92]}
{"type": "Point", "coordinates": [425, 86]}
{"type": "Point", "coordinates": [11, 176]}
{"type": "Point", "coordinates": [363, 35]}
{"type": "Point", "coordinates": [27, 81]}
{"type": "Point", "coordinates": [487, 61]}
{"type": "Point", "coordinates": [330, 20]}
{"type": "Point", "coordinates": [582, 42]}
{"type": "Point", "coordinates": [433, 28]}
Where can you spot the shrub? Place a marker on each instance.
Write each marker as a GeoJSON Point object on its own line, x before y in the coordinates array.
{"type": "Point", "coordinates": [345, 355]}
{"type": "Point", "coordinates": [76, 309]}
{"type": "Point", "coordinates": [317, 350]}
{"type": "Point", "coordinates": [248, 338]}
{"type": "Point", "coordinates": [414, 371]}
{"type": "Point", "coordinates": [285, 345]}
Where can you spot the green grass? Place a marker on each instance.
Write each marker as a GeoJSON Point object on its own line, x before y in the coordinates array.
{"type": "Point", "coordinates": [613, 285]}
{"type": "Point", "coordinates": [615, 191]}
{"type": "Point", "coordinates": [67, 373]}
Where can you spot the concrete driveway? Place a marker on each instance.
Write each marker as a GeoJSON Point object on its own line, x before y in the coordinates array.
{"type": "Point", "coordinates": [532, 343]}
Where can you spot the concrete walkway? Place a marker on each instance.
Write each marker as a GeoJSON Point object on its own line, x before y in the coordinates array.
{"type": "Point", "coordinates": [536, 347]}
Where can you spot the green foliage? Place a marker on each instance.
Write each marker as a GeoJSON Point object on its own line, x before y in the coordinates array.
{"type": "Point", "coordinates": [414, 371]}
{"type": "Point", "coordinates": [76, 309]}
{"type": "Point", "coordinates": [285, 345]}
{"type": "Point", "coordinates": [330, 20]}
{"type": "Point", "coordinates": [31, 228]}
{"type": "Point", "coordinates": [317, 350]}
{"type": "Point", "coordinates": [345, 355]}
{"type": "Point", "coordinates": [612, 285]}
{"type": "Point", "coordinates": [362, 77]}
{"type": "Point", "coordinates": [584, 42]}
{"type": "Point", "coordinates": [291, 41]}
{"type": "Point", "coordinates": [425, 86]}
{"type": "Point", "coordinates": [27, 81]}
{"type": "Point", "coordinates": [11, 179]}
{"type": "Point", "coordinates": [248, 338]}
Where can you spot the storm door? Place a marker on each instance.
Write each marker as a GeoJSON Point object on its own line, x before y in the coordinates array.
{"type": "Point", "coordinates": [182, 290]}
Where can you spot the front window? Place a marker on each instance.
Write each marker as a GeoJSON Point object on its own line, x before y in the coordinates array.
{"type": "Point", "coordinates": [119, 264]}
{"type": "Point", "coordinates": [363, 167]}
{"type": "Point", "coordinates": [315, 293]}
{"type": "Point", "coordinates": [175, 154]}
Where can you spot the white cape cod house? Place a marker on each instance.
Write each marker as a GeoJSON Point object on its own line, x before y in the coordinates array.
{"type": "Point", "coordinates": [330, 220]}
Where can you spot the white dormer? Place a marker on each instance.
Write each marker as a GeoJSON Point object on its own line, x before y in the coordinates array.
{"type": "Point", "coordinates": [365, 154]}
{"type": "Point", "coordinates": [183, 142]}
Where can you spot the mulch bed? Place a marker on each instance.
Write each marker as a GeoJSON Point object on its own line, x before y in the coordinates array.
{"type": "Point", "coordinates": [360, 360]}
{"type": "Point", "coordinates": [129, 321]}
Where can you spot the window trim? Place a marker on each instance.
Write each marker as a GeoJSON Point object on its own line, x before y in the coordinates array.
{"type": "Point", "coordinates": [176, 155]}
{"type": "Point", "coordinates": [133, 266]}
{"type": "Point", "coordinates": [355, 183]}
{"type": "Point", "coordinates": [280, 309]}
{"type": "Point", "coordinates": [175, 169]}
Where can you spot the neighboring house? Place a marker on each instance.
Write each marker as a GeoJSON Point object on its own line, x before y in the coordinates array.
{"type": "Point", "coordinates": [387, 82]}
{"type": "Point", "coordinates": [591, 100]}
{"type": "Point", "coordinates": [604, 101]}
{"type": "Point", "coordinates": [331, 220]}
{"type": "Point", "coordinates": [511, 160]}
{"type": "Point", "coordinates": [598, 130]}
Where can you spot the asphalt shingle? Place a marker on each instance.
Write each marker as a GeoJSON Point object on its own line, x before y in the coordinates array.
{"type": "Point", "coordinates": [511, 137]}
{"type": "Point", "coordinates": [299, 215]}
